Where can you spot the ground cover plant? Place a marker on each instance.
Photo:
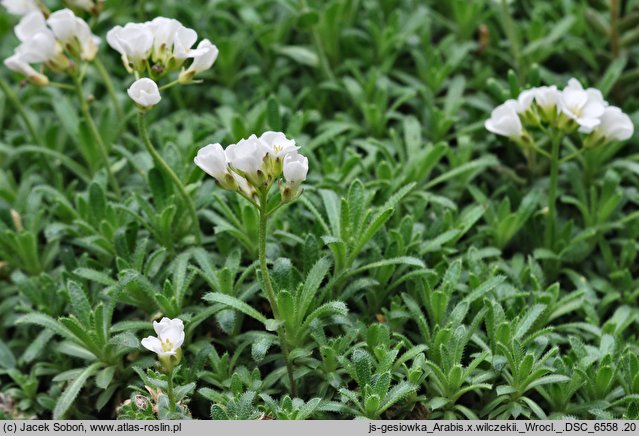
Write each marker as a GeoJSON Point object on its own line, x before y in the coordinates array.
{"type": "Point", "coordinates": [305, 209]}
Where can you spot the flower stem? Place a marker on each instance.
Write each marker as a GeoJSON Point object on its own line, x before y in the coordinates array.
{"type": "Point", "coordinates": [108, 84]}
{"type": "Point", "coordinates": [97, 137]}
{"type": "Point", "coordinates": [161, 163]}
{"type": "Point", "coordinates": [270, 294]}
{"type": "Point", "coordinates": [170, 391]}
{"type": "Point", "coordinates": [551, 217]}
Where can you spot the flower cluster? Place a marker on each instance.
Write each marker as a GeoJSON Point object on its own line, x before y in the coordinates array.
{"type": "Point", "coordinates": [170, 337]}
{"type": "Point", "coordinates": [571, 109]}
{"type": "Point", "coordinates": [161, 46]}
{"type": "Point", "coordinates": [255, 163]}
{"type": "Point", "coordinates": [45, 41]}
{"type": "Point", "coordinates": [156, 48]}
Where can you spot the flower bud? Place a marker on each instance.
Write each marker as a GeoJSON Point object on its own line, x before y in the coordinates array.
{"type": "Point", "coordinates": [145, 93]}
{"type": "Point", "coordinates": [15, 63]}
{"type": "Point", "coordinates": [295, 171]}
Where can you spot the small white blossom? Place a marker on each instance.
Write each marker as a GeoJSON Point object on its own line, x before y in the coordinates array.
{"type": "Point", "coordinates": [526, 99]}
{"type": "Point", "coordinates": [615, 125]}
{"type": "Point", "coordinates": [74, 33]}
{"type": "Point", "coordinates": [584, 106]}
{"type": "Point", "coordinates": [183, 41]}
{"type": "Point", "coordinates": [504, 120]}
{"type": "Point", "coordinates": [212, 159]}
{"type": "Point", "coordinates": [144, 92]}
{"type": "Point", "coordinates": [134, 42]}
{"type": "Point", "coordinates": [19, 7]}
{"type": "Point", "coordinates": [247, 156]}
{"type": "Point", "coordinates": [164, 31]}
{"type": "Point", "coordinates": [170, 337]}
{"type": "Point", "coordinates": [203, 58]}
{"type": "Point", "coordinates": [170, 39]}
{"type": "Point", "coordinates": [41, 47]}
{"type": "Point", "coordinates": [547, 96]}
{"type": "Point", "coordinates": [30, 24]}
{"type": "Point", "coordinates": [277, 144]}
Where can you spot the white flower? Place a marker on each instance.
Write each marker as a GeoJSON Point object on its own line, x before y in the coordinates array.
{"type": "Point", "coordinates": [170, 337]}
{"type": "Point", "coordinates": [164, 30]}
{"type": "Point", "coordinates": [584, 106]}
{"type": "Point", "coordinates": [504, 120]}
{"type": "Point", "coordinates": [134, 42]}
{"type": "Point", "coordinates": [15, 63]}
{"type": "Point", "coordinates": [277, 144]}
{"type": "Point", "coordinates": [525, 100]}
{"type": "Point", "coordinates": [203, 58]}
{"type": "Point", "coordinates": [74, 33]}
{"type": "Point", "coordinates": [144, 92]}
{"type": "Point", "coordinates": [248, 157]}
{"type": "Point", "coordinates": [615, 125]}
{"type": "Point", "coordinates": [212, 160]}
{"type": "Point", "coordinates": [547, 96]}
{"type": "Point", "coordinates": [183, 41]}
{"type": "Point", "coordinates": [30, 24]}
{"type": "Point", "coordinates": [295, 168]}
{"type": "Point", "coordinates": [41, 47]}
{"type": "Point", "coordinates": [19, 7]}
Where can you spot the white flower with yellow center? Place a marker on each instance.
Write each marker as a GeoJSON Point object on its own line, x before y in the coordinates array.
{"type": "Point", "coordinates": [584, 106]}
{"type": "Point", "coordinates": [170, 337]}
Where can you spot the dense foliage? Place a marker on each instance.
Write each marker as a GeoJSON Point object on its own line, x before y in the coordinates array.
{"type": "Point", "coordinates": [412, 276]}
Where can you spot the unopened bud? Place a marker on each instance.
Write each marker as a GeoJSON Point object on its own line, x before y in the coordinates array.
{"type": "Point", "coordinates": [17, 220]}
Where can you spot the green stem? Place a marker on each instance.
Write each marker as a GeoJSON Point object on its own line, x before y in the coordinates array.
{"type": "Point", "coordinates": [169, 85]}
{"type": "Point", "coordinates": [170, 392]}
{"type": "Point", "coordinates": [270, 294]}
{"type": "Point", "coordinates": [161, 163]}
{"type": "Point", "coordinates": [108, 84]}
{"type": "Point", "coordinates": [551, 217]}
{"type": "Point", "coordinates": [61, 86]}
{"type": "Point", "coordinates": [11, 96]}
{"type": "Point", "coordinates": [97, 137]}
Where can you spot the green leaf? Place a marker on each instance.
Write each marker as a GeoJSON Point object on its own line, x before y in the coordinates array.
{"type": "Point", "coordinates": [7, 360]}
{"type": "Point", "coordinates": [402, 260]}
{"type": "Point", "coordinates": [71, 392]}
{"type": "Point", "coordinates": [327, 309]}
{"type": "Point", "coordinates": [312, 283]}
{"type": "Point", "coordinates": [104, 377]}
{"type": "Point", "coordinates": [273, 114]}
{"type": "Point", "coordinates": [47, 322]}
{"type": "Point", "coordinates": [79, 303]}
{"type": "Point", "coordinates": [549, 379]}
{"type": "Point", "coordinates": [235, 303]}
{"type": "Point", "coordinates": [301, 55]}
{"type": "Point", "coordinates": [528, 320]}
